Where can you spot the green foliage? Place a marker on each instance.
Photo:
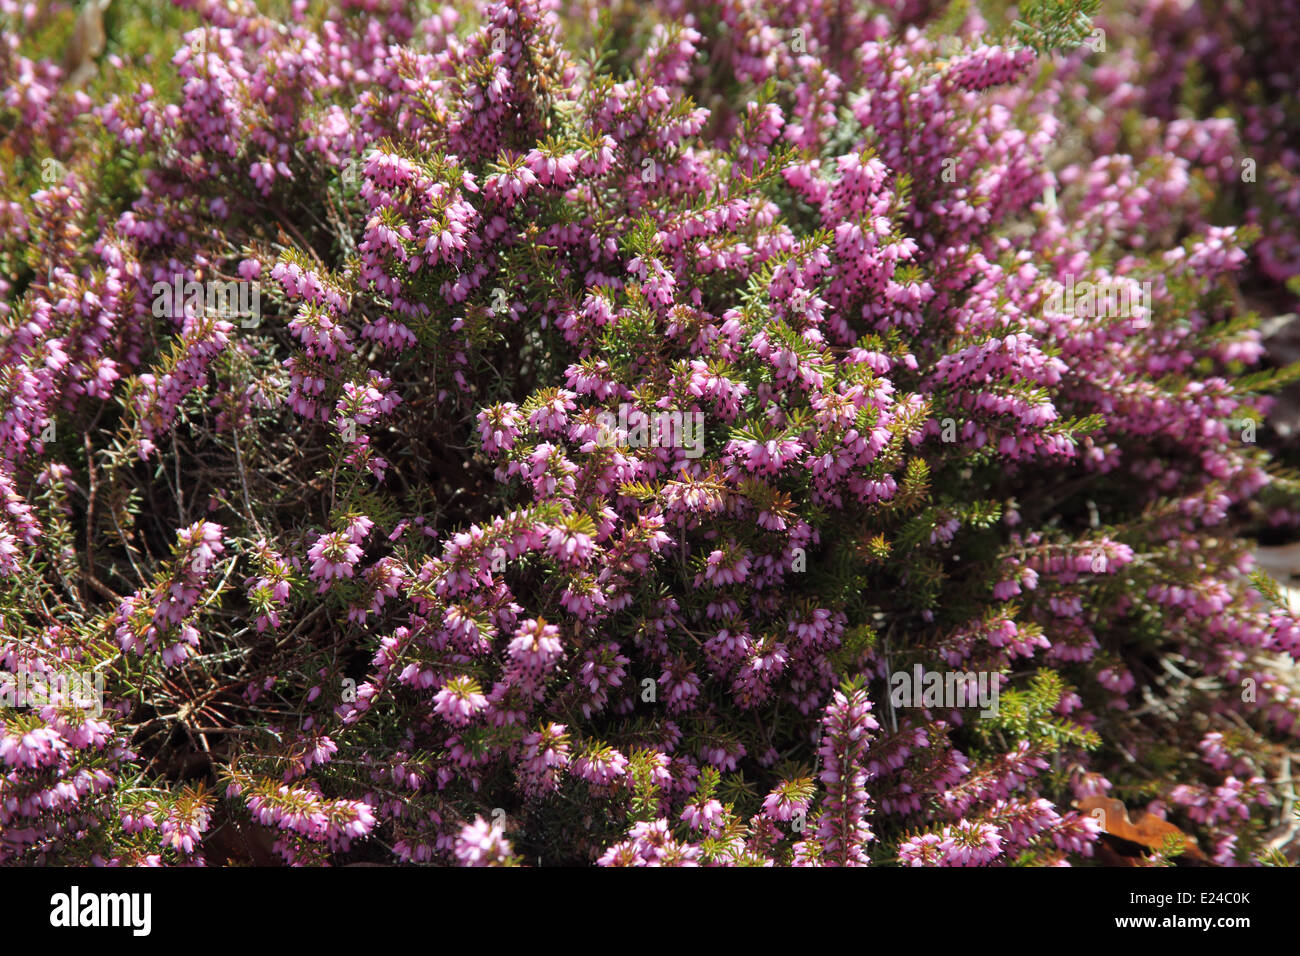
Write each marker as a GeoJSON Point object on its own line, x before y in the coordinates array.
{"type": "Point", "coordinates": [1054, 25]}
{"type": "Point", "coordinates": [1026, 714]}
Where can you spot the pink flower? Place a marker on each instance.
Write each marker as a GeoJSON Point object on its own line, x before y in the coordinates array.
{"type": "Point", "coordinates": [333, 556]}
{"type": "Point", "coordinates": [459, 700]}
{"type": "Point", "coordinates": [482, 844]}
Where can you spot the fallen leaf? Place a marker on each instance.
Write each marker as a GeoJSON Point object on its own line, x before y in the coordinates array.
{"type": "Point", "coordinates": [1148, 830]}
{"type": "Point", "coordinates": [86, 43]}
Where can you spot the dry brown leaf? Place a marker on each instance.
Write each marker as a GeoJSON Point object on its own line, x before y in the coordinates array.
{"type": "Point", "coordinates": [1148, 830]}
{"type": "Point", "coordinates": [86, 43]}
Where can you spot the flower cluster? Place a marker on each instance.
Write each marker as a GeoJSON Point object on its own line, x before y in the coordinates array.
{"type": "Point", "coordinates": [616, 429]}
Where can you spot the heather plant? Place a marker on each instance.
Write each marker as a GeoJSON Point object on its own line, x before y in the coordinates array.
{"type": "Point", "coordinates": [515, 434]}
